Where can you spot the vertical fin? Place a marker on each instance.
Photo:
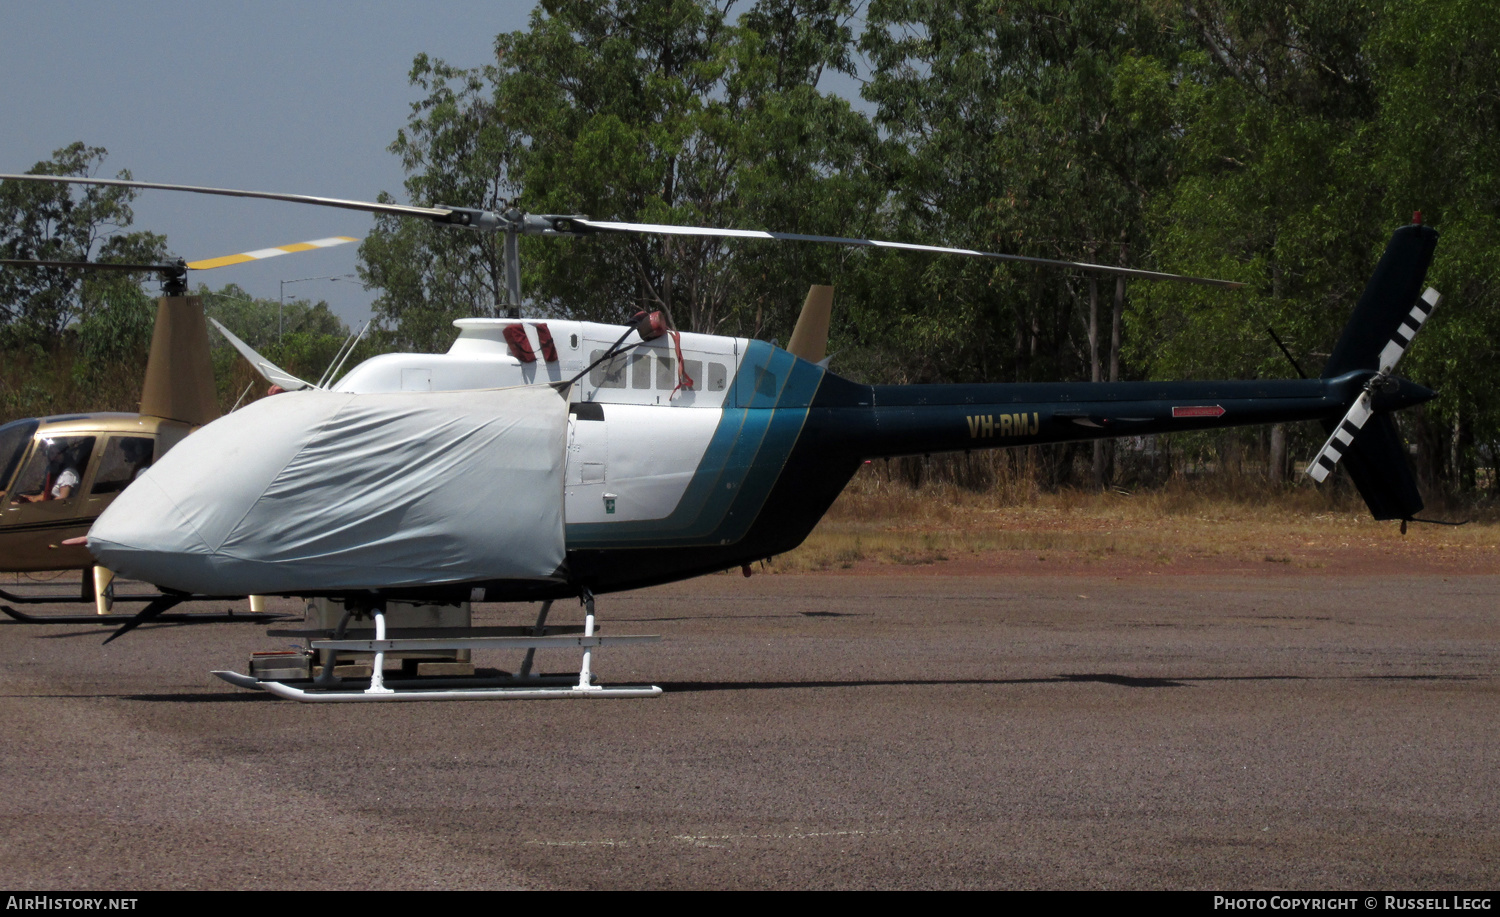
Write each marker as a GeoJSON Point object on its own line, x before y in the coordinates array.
{"type": "Point", "coordinates": [1387, 301]}
{"type": "Point", "coordinates": [179, 373]}
{"type": "Point", "coordinates": [810, 337]}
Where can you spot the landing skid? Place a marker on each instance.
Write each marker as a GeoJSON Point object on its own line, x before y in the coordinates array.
{"type": "Point", "coordinates": [328, 688]}
{"type": "Point", "coordinates": [21, 599]}
{"type": "Point", "coordinates": [186, 617]}
{"type": "Point", "coordinates": [538, 688]}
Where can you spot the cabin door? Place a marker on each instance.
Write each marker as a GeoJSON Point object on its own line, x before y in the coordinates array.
{"type": "Point", "coordinates": [587, 470]}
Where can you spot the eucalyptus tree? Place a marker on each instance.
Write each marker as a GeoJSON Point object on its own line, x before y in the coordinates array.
{"type": "Point", "coordinates": [661, 111]}
{"type": "Point", "coordinates": [1273, 104]}
{"type": "Point", "coordinates": [1437, 149]}
{"type": "Point", "coordinates": [1037, 128]}
{"type": "Point", "coordinates": [53, 222]}
{"type": "Point", "coordinates": [1310, 131]}
{"type": "Point", "coordinates": [1034, 128]}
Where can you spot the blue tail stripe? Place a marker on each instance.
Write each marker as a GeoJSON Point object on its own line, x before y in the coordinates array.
{"type": "Point", "coordinates": [744, 458]}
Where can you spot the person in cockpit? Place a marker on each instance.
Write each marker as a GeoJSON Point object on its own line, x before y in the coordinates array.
{"type": "Point", "coordinates": [137, 455]}
{"type": "Point", "coordinates": [62, 474]}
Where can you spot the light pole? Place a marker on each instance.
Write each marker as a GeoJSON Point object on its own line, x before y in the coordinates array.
{"type": "Point", "coordinates": [281, 309]}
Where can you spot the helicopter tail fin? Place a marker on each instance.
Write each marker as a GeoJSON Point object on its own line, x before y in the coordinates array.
{"type": "Point", "coordinates": [179, 372]}
{"type": "Point", "coordinates": [810, 337]}
{"type": "Point", "coordinates": [1387, 317]}
{"type": "Point", "coordinates": [1386, 302]}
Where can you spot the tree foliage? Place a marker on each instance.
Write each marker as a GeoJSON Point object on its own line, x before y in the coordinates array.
{"type": "Point", "coordinates": [1275, 144]}
{"type": "Point", "coordinates": [300, 336]}
{"type": "Point", "coordinates": [54, 222]}
{"type": "Point", "coordinates": [71, 339]}
{"type": "Point", "coordinates": [1035, 129]}
{"type": "Point", "coordinates": [1309, 132]}
{"type": "Point", "coordinates": [643, 110]}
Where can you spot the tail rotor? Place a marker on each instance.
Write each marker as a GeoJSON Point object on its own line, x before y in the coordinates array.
{"type": "Point", "coordinates": [1363, 408]}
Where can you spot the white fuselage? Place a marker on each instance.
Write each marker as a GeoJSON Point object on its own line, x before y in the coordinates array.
{"type": "Point", "coordinates": [635, 465]}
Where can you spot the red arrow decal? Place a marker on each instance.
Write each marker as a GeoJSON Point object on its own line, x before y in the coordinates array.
{"type": "Point", "coordinates": [1198, 410]}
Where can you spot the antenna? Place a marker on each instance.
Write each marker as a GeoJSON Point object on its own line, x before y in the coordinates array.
{"type": "Point", "coordinates": [337, 354]}
{"type": "Point", "coordinates": [332, 375]}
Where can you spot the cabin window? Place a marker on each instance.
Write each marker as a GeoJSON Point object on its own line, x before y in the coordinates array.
{"type": "Point", "coordinates": [125, 457]}
{"type": "Point", "coordinates": [610, 373]}
{"type": "Point", "coordinates": [666, 373]}
{"type": "Point", "coordinates": [54, 470]}
{"type": "Point", "coordinates": [717, 379]}
{"type": "Point", "coordinates": [14, 438]}
{"type": "Point", "coordinates": [640, 373]}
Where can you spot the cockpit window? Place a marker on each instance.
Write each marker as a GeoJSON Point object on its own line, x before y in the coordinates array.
{"type": "Point", "coordinates": [125, 457]}
{"type": "Point", "coordinates": [14, 437]}
{"type": "Point", "coordinates": [55, 469]}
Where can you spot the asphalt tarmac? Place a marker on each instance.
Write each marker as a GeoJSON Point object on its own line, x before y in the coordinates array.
{"type": "Point", "coordinates": [880, 731]}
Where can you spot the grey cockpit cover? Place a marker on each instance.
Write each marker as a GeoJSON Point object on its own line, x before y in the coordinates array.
{"type": "Point", "coordinates": [318, 490]}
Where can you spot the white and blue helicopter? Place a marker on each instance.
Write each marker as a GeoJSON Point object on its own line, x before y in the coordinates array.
{"type": "Point", "coordinates": [541, 459]}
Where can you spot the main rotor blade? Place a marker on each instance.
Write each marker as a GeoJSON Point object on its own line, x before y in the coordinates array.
{"type": "Point", "coordinates": [669, 230]}
{"type": "Point", "coordinates": [94, 265]}
{"type": "Point", "coordinates": [479, 219]}
{"type": "Point", "coordinates": [153, 610]}
{"type": "Point", "coordinates": [260, 253]}
{"type": "Point", "coordinates": [366, 206]}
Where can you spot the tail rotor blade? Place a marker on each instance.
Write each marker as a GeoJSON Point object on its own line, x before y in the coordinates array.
{"type": "Point", "coordinates": [1343, 436]}
{"type": "Point", "coordinates": [1408, 329]}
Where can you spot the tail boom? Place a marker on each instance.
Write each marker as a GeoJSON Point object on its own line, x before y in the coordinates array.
{"type": "Point", "coordinates": [912, 420]}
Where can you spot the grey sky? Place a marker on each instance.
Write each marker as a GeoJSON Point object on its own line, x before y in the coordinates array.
{"type": "Point", "coordinates": [300, 97]}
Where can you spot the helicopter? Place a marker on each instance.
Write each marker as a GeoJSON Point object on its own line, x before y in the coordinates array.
{"type": "Point", "coordinates": [541, 459]}
{"type": "Point", "coordinates": [58, 473]}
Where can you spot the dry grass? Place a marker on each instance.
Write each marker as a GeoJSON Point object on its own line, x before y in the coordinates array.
{"type": "Point", "coordinates": [882, 521]}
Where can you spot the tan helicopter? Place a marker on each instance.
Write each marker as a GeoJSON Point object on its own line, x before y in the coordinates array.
{"type": "Point", "coordinates": [58, 473]}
